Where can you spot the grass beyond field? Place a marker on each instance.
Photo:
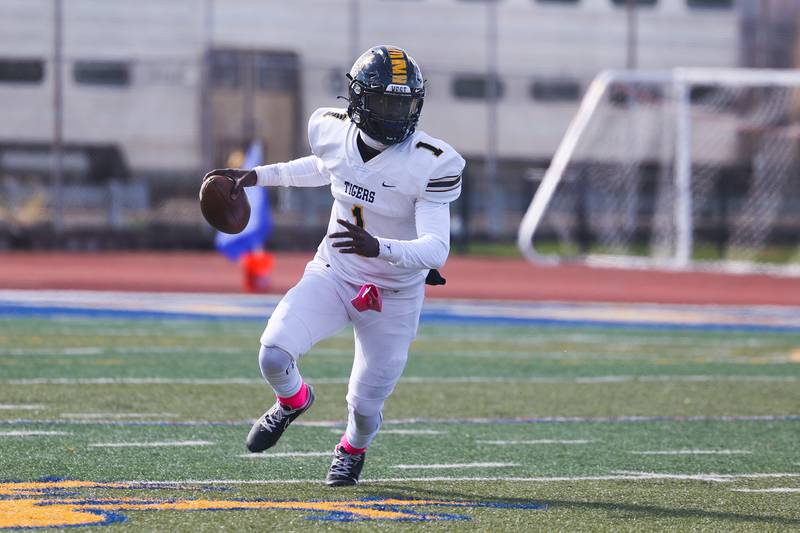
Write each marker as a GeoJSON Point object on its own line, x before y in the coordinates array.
{"type": "Point", "coordinates": [131, 424]}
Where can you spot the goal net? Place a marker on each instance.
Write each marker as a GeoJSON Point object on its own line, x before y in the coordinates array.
{"type": "Point", "coordinates": [685, 169]}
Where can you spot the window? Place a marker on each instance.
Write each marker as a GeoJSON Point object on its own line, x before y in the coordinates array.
{"type": "Point", "coordinates": [21, 70]}
{"type": "Point", "coordinates": [476, 86]}
{"type": "Point", "coordinates": [711, 4]}
{"type": "Point", "coordinates": [263, 71]}
{"type": "Point", "coordinates": [106, 73]}
{"type": "Point", "coordinates": [623, 3]}
{"type": "Point", "coordinates": [555, 90]}
{"type": "Point", "coordinates": [225, 71]}
{"type": "Point", "coordinates": [276, 71]}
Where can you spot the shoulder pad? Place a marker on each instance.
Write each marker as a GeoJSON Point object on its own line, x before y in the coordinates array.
{"type": "Point", "coordinates": [439, 167]}
{"type": "Point", "coordinates": [322, 127]}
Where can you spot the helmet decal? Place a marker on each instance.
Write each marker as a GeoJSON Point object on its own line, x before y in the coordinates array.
{"type": "Point", "coordinates": [399, 63]}
{"type": "Point", "coordinates": [394, 88]}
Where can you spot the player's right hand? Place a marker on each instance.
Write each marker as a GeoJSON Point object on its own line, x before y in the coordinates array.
{"type": "Point", "coordinates": [233, 173]}
{"type": "Point", "coordinates": [242, 177]}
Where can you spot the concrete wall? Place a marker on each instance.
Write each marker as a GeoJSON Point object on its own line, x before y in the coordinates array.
{"type": "Point", "coordinates": [157, 118]}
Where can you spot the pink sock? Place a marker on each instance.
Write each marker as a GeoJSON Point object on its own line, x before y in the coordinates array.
{"type": "Point", "coordinates": [298, 399]}
{"type": "Point", "coordinates": [349, 449]}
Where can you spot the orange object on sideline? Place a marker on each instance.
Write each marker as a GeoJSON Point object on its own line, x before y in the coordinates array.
{"type": "Point", "coordinates": [257, 267]}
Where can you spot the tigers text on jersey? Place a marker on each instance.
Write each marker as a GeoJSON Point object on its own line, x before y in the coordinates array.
{"type": "Point", "coordinates": [382, 195]}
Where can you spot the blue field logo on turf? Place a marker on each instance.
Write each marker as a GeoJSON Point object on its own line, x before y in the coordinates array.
{"type": "Point", "coordinates": [59, 503]}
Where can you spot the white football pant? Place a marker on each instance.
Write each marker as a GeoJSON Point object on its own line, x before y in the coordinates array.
{"type": "Point", "coordinates": [319, 306]}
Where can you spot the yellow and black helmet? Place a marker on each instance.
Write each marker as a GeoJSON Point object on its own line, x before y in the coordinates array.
{"type": "Point", "coordinates": [386, 93]}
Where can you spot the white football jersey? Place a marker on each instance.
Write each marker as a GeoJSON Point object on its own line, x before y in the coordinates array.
{"type": "Point", "coordinates": [380, 195]}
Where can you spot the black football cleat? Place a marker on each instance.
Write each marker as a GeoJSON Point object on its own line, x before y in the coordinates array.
{"type": "Point", "coordinates": [345, 469]}
{"type": "Point", "coordinates": [269, 428]}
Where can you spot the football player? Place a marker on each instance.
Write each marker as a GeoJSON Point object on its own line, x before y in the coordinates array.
{"type": "Point", "coordinates": [389, 231]}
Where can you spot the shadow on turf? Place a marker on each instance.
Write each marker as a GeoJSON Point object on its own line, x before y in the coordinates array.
{"type": "Point", "coordinates": [398, 491]}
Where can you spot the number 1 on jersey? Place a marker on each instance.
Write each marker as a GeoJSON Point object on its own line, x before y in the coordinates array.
{"type": "Point", "coordinates": [357, 213]}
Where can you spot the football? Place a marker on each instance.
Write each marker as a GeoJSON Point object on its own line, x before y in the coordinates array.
{"type": "Point", "coordinates": [224, 213]}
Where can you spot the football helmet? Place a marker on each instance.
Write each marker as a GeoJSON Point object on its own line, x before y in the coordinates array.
{"type": "Point", "coordinates": [386, 93]}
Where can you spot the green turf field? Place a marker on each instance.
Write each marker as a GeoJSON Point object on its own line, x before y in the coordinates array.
{"type": "Point", "coordinates": [492, 428]}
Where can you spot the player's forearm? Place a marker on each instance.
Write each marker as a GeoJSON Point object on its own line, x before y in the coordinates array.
{"type": "Point", "coordinates": [431, 248]}
{"type": "Point", "coordinates": [426, 252]}
{"type": "Point", "coordinates": [303, 172]}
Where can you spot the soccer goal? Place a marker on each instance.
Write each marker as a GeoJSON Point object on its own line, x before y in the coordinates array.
{"type": "Point", "coordinates": [681, 169]}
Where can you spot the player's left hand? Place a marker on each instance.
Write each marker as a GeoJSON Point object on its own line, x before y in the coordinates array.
{"type": "Point", "coordinates": [361, 242]}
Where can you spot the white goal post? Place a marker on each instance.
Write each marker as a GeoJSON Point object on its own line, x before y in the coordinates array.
{"type": "Point", "coordinates": [682, 169]}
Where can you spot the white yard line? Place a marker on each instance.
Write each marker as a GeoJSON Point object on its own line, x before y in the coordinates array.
{"type": "Point", "coordinates": [22, 406]}
{"type": "Point", "coordinates": [719, 478]}
{"type": "Point", "coordinates": [773, 489]}
{"type": "Point", "coordinates": [128, 350]}
{"type": "Point", "coordinates": [286, 454]}
{"type": "Point", "coordinates": [113, 416]}
{"type": "Point", "coordinates": [409, 379]}
{"type": "Point", "coordinates": [633, 476]}
{"type": "Point", "coordinates": [774, 357]}
{"type": "Point", "coordinates": [691, 452]}
{"type": "Point", "coordinates": [32, 433]}
{"type": "Point", "coordinates": [155, 444]}
{"type": "Point", "coordinates": [87, 350]}
{"type": "Point", "coordinates": [455, 465]}
{"type": "Point", "coordinates": [538, 441]}
{"type": "Point", "coordinates": [133, 381]}
{"type": "Point", "coordinates": [403, 431]}
{"type": "Point", "coordinates": [411, 432]}
{"type": "Point", "coordinates": [340, 424]}
{"type": "Point", "coordinates": [572, 355]}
